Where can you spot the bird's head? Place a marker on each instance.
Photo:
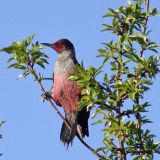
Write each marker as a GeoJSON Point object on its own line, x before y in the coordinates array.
{"type": "Point", "coordinates": [60, 46]}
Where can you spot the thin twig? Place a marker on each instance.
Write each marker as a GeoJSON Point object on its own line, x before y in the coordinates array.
{"type": "Point", "coordinates": [49, 99]}
{"type": "Point", "coordinates": [48, 79]}
{"type": "Point", "coordinates": [90, 148]}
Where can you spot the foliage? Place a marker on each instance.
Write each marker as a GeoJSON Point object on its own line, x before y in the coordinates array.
{"type": "Point", "coordinates": [120, 98]}
{"type": "Point", "coordinates": [22, 55]}
{"type": "Point", "coordinates": [26, 56]}
{"type": "Point", "coordinates": [118, 101]}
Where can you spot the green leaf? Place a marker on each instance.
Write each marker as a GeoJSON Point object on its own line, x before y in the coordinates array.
{"type": "Point", "coordinates": [27, 42]}
{"type": "Point", "coordinates": [96, 112]}
{"type": "Point", "coordinates": [18, 66]}
{"type": "Point", "coordinates": [11, 58]}
{"type": "Point", "coordinates": [41, 64]}
{"type": "Point", "coordinates": [9, 50]}
{"type": "Point", "coordinates": [132, 56]}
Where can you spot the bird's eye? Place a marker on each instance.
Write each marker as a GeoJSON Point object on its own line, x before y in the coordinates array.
{"type": "Point", "coordinates": [59, 44]}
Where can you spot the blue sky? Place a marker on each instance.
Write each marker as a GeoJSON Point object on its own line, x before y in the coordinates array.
{"type": "Point", "coordinates": [32, 128]}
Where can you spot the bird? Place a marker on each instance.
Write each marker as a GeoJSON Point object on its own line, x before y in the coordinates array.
{"type": "Point", "coordinates": [66, 92]}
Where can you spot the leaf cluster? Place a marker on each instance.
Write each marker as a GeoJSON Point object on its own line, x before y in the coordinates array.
{"type": "Point", "coordinates": [24, 55]}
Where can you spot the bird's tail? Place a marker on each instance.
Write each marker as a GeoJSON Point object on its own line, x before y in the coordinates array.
{"type": "Point", "coordinates": [78, 122]}
{"type": "Point", "coordinates": [67, 134]}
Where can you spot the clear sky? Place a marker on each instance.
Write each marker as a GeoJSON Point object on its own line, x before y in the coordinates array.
{"type": "Point", "coordinates": [32, 128]}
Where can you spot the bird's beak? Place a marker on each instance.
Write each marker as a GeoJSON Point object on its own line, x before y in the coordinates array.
{"type": "Point", "coordinates": [48, 44]}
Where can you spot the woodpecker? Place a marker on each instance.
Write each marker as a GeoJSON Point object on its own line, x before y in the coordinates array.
{"type": "Point", "coordinates": [66, 93]}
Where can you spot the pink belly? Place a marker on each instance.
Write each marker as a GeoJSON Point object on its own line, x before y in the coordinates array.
{"type": "Point", "coordinates": [66, 93]}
